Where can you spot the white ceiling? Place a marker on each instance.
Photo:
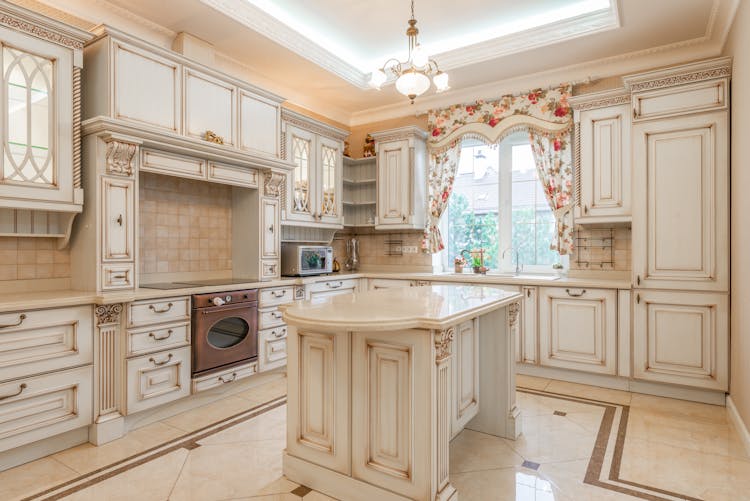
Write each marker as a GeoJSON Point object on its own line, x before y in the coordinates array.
{"type": "Point", "coordinates": [319, 52]}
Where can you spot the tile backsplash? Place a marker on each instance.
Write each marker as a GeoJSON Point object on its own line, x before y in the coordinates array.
{"type": "Point", "coordinates": [620, 253]}
{"type": "Point", "coordinates": [26, 258]}
{"type": "Point", "coordinates": [373, 250]}
{"type": "Point", "coordinates": [185, 225]}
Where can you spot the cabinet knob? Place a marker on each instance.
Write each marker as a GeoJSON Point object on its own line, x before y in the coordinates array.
{"type": "Point", "coordinates": [119, 219]}
{"type": "Point", "coordinates": [638, 280]}
{"type": "Point", "coordinates": [585, 209]}
{"type": "Point", "coordinates": [638, 298]}
{"type": "Point", "coordinates": [270, 229]}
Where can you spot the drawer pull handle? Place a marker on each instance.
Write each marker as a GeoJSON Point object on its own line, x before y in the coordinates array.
{"type": "Point", "coordinates": [334, 286]}
{"type": "Point", "coordinates": [160, 338]}
{"type": "Point", "coordinates": [278, 293]}
{"type": "Point", "coordinates": [234, 376]}
{"type": "Point", "coordinates": [638, 280]}
{"type": "Point", "coordinates": [119, 219]}
{"type": "Point", "coordinates": [528, 292]}
{"type": "Point", "coordinates": [169, 357]}
{"type": "Point", "coordinates": [638, 298]}
{"type": "Point", "coordinates": [20, 390]}
{"type": "Point", "coordinates": [163, 310]}
{"type": "Point", "coordinates": [583, 291]}
{"type": "Point", "coordinates": [277, 315]}
{"type": "Point", "coordinates": [279, 334]}
{"type": "Point", "coordinates": [21, 318]}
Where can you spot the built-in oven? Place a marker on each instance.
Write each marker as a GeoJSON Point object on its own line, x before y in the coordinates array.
{"type": "Point", "coordinates": [225, 330]}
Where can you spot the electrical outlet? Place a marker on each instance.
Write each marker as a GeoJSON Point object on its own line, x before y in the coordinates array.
{"type": "Point", "coordinates": [409, 249]}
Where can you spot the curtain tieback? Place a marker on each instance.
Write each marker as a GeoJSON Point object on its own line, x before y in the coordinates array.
{"type": "Point", "coordinates": [560, 212]}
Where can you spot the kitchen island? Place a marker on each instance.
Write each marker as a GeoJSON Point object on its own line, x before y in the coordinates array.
{"type": "Point", "coordinates": [380, 381]}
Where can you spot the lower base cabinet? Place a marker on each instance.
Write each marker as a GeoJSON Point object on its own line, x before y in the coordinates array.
{"type": "Point", "coordinates": [158, 378]}
{"type": "Point", "coordinates": [681, 338]}
{"type": "Point", "coordinates": [526, 337]}
{"type": "Point", "coordinates": [272, 348]}
{"type": "Point", "coordinates": [330, 288]}
{"type": "Point", "coordinates": [39, 407]}
{"type": "Point", "coordinates": [578, 329]}
{"type": "Point", "coordinates": [465, 350]}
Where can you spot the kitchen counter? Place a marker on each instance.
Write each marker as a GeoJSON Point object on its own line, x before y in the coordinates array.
{"type": "Point", "coordinates": [11, 301]}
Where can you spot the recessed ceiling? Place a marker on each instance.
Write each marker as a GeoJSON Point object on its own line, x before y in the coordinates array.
{"type": "Point", "coordinates": [351, 37]}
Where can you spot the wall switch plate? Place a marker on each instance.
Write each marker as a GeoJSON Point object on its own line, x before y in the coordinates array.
{"type": "Point", "coordinates": [409, 249]}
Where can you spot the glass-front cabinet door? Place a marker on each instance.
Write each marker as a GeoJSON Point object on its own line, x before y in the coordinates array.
{"type": "Point", "coordinates": [36, 110]}
{"type": "Point", "coordinates": [330, 205]}
{"type": "Point", "coordinates": [301, 184]}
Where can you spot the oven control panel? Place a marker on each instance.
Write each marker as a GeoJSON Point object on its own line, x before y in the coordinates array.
{"type": "Point", "coordinates": [224, 298]}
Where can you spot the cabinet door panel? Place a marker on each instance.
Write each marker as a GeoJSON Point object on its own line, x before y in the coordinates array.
{"type": "Point", "coordinates": [681, 338]}
{"type": "Point", "coordinates": [146, 88]}
{"type": "Point", "coordinates": [209, 106]}
{"type": "Point", "coordinates": [118, 225]}
{"type": "Point", "coordinates": [394, 183]}
{"type": "Point", "coordinates": [465, 401]}
{"type": "Point", "coordinates": [680, 229]}
{"type": "Point", "coordinates": [605, 163]}
{"type": "Point", "coordinates": [330, 180]}
{"type": "Point", "coordinates": [578, 329]}
{"type": "Point", "coordinates": [269, 234]}
{"type": "Point", "coordinates": [259, 125]}
{"type": "Point", "coordinates": [527, 349]}
{"type": "Point", "coordinates": [301, 148]}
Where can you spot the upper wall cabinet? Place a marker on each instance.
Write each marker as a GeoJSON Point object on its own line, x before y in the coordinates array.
{"type": "Point", "coordinates": [314, 189]}
{"type": "Point", "coordinates": [40, 106]}
{"type": "Point", "coordinates": [160, 91]}
{"type": "Point", "coordinates": [402, 178]}
{"type": "Point", "coordinates": [602, 160]}
{"type": "Point", "coordinates": [681, 169]}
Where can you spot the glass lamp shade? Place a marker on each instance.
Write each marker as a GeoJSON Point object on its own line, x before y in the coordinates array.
{"type": "Point", "coordinates": [441, 81]}
{"type": "Point", "coordinates": [419, 57]}
{"type": "Point", "coordinates": [377, 78]}
{"type": "Point", "coordinates": [412, 84]}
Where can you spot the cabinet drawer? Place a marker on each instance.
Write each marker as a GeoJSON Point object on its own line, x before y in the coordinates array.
{"type": "Point", "coordinates": [275, 296]}
{"type": "Point", "coordinates": [172, 165]}
{"type": "Point", "coordinates": [142, 341]}
{"type": "Point", "coordinates": [158, 378]}
{"type": "Point", "coordinates": [43, 406]}
{"type": "Point", "coordinates": [45, 340]}
{"type": "Point", "coordinates": [118, 223]}
{"type": "Point", "coordinates": [118, 276]}
{"type": "Point", "coordinates": [269, 318]}
{"type": "Point", "coordinates": [236, 176]}
{"type": "Point", "coordinates": [148, 312]}
{"type": "Point", "coordinates": [223, 377]}
{"type": "Point", "coordinates": [335, 285]}
{"type": "Point", "coordinates": [269, 269]}
{"type": "Point", "coordinates": [272, 348]}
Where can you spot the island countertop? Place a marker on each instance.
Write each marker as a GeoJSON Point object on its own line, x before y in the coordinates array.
{"type": "Point", "coordinates": [430, 307]}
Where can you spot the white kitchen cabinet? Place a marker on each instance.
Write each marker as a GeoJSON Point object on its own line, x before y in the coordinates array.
{"type": "Point", "coordinates": [526, 341]}
{"type": "Point", "coordinates": [118, 225]}
{"type": "Point", "coordinates": [386, 283]}
{"type": "Point", "coordinates": [315, 185]}
{"type": "Point", "coordinates": [272, 348]}
{"type": "Point", "coordinates": [681, 209]}
{"type": "Point", "coordinates": [210, 105]}
{"type": "Point", "coordinates": [330, 288]}
{"type": "Point", "coordinates": [603, 170]}
{"type": "Point", "coordinates": [269, 231]}
{"type": "Point", "coordinates": [402, 178]}
{"type": "Point", "coordinates": [465, 385]}
{"type": "Point", "coordinates": [578, 329]}
{"type": "Point", "coordinates": [255, 135]}
{"type": "Point", "coordinates": [681, 338]}
{"type": "Point", "coordinates": [157, 378]}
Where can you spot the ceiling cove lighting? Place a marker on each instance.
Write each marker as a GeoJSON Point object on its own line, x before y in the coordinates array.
{"type": "Point", "coordinates": [412, 75]}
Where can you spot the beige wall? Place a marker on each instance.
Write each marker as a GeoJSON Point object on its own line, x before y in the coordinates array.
{"type": "Point", "coordinates": [738, 46]}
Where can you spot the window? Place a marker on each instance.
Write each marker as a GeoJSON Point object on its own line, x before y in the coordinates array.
{"type": "Point", "coordinates": [499, 204]}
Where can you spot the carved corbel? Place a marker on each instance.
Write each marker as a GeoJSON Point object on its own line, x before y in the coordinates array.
{"type": "Point", "coordinates": [272, 183]}
{"type": "Point", "coordinates": [513, 310]}
{"type": "Point", "coordinates": [120, 157]}
{"type": "Point", "coordinates": [108, 314]}
{"type": "Point", "coordinates": [443, 343]}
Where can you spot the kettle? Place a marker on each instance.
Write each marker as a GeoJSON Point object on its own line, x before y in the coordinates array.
{"type": "Point", "coordinates": [352, 255]}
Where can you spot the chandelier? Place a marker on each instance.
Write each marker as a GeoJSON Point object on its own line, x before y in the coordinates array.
{"type": "Point", "coordinates": [412, 75]}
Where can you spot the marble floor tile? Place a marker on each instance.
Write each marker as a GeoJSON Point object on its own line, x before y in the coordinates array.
{"type": "Point", "coordinates": [679, 408]}
{"type": "Point", "coordinates": [531, 382]}
{"type": "Point", "coordinates": [199, 417]}
{"type": "Point", "coordinates": [592, 392]}
{"type": "Point", "coordinates": [88, 457]}
{"type": "Point", "coordinates": [32, 477]}
{"type": "Point", "coordinates": [567, 478]}
{"type": "Point", "coordinates": [536, 405]}
{"type": "Point", "coordinates": [552, 438]}
{"type": "Point", "coordinates": [264, 393]}
{"type": "Point", "coordinates": [473, 451]}
{"type": "Point", "coordinates": [150, 481]}
{"type": "Point", "coordinates": [268, 426]}
{"type": "Point", "coordinates": [517, 484]}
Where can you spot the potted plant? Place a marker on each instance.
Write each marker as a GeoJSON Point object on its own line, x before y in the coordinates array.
{"type": "Point", "coordinates": [458, 264]}
{"type": "Point", "coordinates": [558, 267]}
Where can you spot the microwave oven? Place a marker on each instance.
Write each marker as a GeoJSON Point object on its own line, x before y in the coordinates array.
{"type": "Point", "coordinates": [299, 260]}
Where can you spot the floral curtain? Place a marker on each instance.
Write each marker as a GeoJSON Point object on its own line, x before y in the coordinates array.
{"type": "Point", "coordinates": [552, 155]}
{"type": "Point", "coordinates": [545, 113]}
{"type": "Point", "coordinates": [443, 166]}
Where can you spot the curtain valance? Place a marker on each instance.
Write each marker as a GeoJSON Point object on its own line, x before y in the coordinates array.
{"type": "Point", "coordinates": [543, 110]}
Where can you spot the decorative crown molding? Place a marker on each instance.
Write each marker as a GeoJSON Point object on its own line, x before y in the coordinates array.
{"type": "Point", "coordinates": [443, 343]}
{"type": "Point", "coordinates": [604, 99]}
{"type": "Point", "coordinates": [401, 133]}
{"type": "Point", "coordinates": [720, 67]}
{"type": "Point", "coordinates": [312, 125]}
{"type": "Point", "coordinates": [108, 313]}
{"type": "Point", "coordinates": [43, 27]}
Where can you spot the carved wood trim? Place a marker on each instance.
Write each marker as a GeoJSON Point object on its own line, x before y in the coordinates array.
{"type": "Point", "coordinates": [76, 127]}
{"type": "Point", "coordinates": [120, 156]}
{"type": "Point", "coordinates": [671, 81]}
{"type": "Point", "coordinates": [39, 32]}
{"type": "Point", "coordinates": [108, 314]}
{"type": "Point", "coordinates": [513, 310]}
{"type": "Point", "coordinates": [272, 183]}
{"type": "Point", "coordinates": [313, 125]}
{"type": "Point", "coordinates": [443, 343]}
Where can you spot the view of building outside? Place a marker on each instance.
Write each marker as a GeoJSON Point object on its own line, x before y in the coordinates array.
{"type": "Point", "coordinates": [498, 203]}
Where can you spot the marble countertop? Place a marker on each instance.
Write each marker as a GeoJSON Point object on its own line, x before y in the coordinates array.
{"type": "Point", "coordinates": [434, 307]}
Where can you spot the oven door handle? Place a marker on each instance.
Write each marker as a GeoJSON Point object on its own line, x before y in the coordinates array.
{"type": "Point", "coordinates": [228, 307]}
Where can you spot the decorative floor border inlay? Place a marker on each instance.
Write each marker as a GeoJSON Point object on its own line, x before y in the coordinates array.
{"type": "Point", "coordinates": [188, 441]}
{"type": "Point", "coordinates": [606, 458]}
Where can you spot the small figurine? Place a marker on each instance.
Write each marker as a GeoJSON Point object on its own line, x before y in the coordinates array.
{"type": "Point", "coordinates": [369, 148]}
{"type": "Point", "coordinates": [347, 153]}
{"type": "Point", "coordinates": [212, 137]}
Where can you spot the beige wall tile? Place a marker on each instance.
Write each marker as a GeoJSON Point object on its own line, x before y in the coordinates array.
{"type": "Point", "coordinates": [32, 258]}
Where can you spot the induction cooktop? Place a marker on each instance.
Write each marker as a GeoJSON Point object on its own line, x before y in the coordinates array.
{"type": "Point", "coordinates": [199, 283]}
